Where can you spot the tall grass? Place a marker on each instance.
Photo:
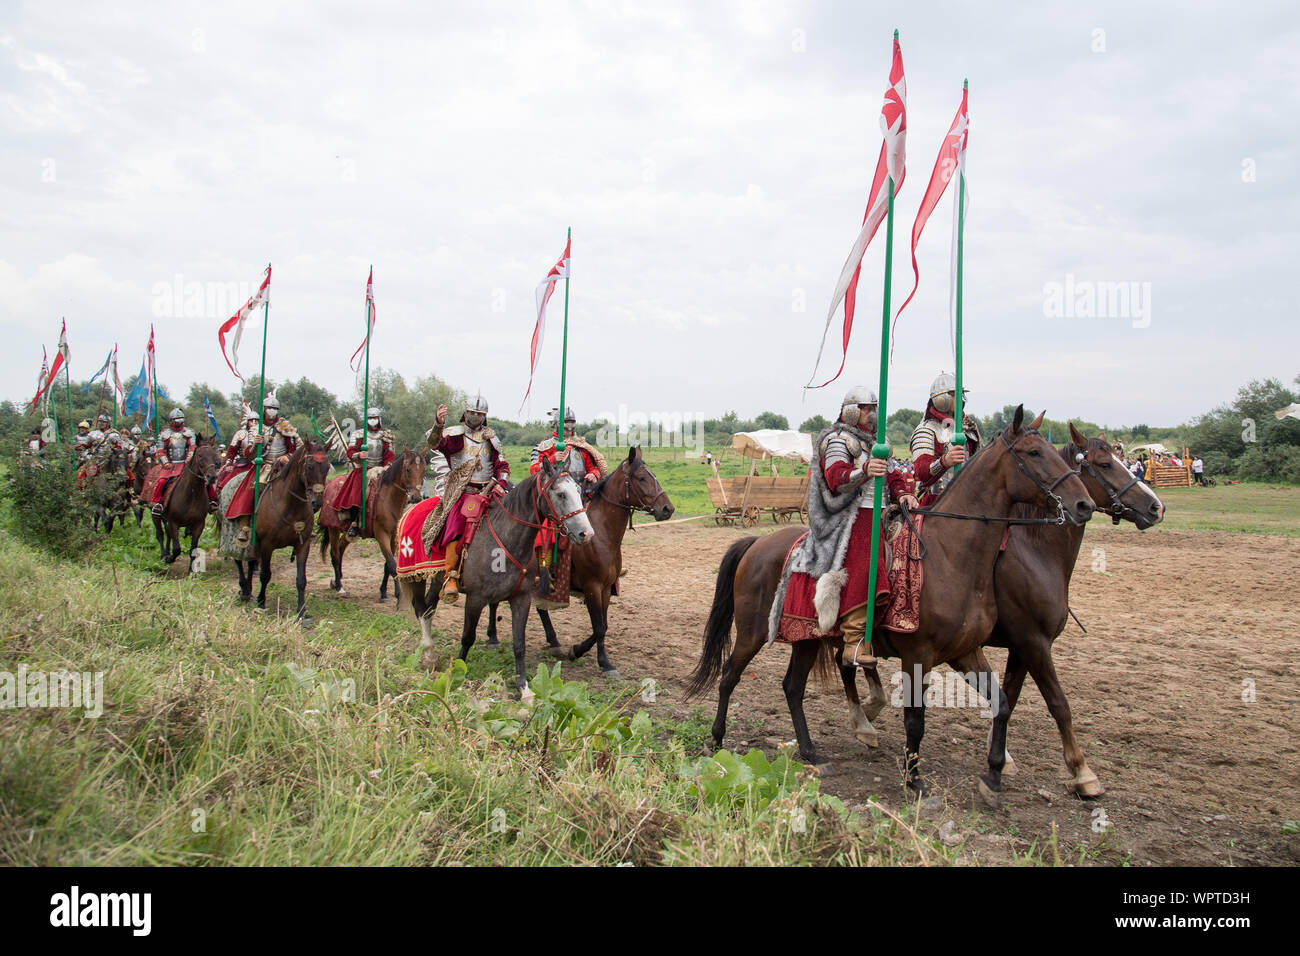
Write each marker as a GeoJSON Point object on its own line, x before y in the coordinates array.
{"type": "Point", "coordinates": [237, 738]}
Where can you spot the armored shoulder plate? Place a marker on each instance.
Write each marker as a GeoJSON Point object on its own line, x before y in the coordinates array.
{"type": "Point", "coordinates": [284, 427]}
{"type": "Point", "coordinates": [495, 442]}
{"type": "Point", "coordinates": [925, 439]}
{"type": "Point", "coordinates": [453, 431]}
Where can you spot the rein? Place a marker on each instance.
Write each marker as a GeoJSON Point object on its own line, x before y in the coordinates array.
{"type": "Point", "coordinates": [540, 492]}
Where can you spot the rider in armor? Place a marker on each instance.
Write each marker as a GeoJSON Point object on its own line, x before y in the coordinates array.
{"type": "Point", "coordinates": [239, 466]}
{"type": "Point", "coordinates": [471, 441]}
{"type": "Point", "coordinates": [177, 446]}
{"type": "Point", "coordinates": [81, 444]}
{"type": "Point", "coordinates": [375, 445]}
{"type": "Point", "coordinates": [933, 454]}
{"type": "Point", "coordinates": [847, 469]}
{"type": "Point", "coordinates": [584, 463]}
{"type": "Point", "coordinates": [35, 447]}
{"type": "Point", "coordinates": [278, 435]}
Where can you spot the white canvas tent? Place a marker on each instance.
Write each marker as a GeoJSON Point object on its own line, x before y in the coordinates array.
{"type": "Point", "coordinates": [1155, 448]}
{"type": "Point", "coordinates": [773, 443]}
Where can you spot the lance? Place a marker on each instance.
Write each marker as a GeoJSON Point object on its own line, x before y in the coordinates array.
{"type": "Point", "coordinates": [880, 449]}
{"type": "Point", "coordinates": [959, 434]}
{"type": "Point", "coordinates": [564, 363]}
{"type": "Point", "coordinates": [67, 384]}
{"type": "Point", "coordinates": [365, 404]}
{"type": "Point", "coordinates": [261, 414]}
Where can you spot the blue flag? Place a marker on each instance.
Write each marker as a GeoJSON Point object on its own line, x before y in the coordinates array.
{"type": "Point", "coordinates": [139, 401]}
{"type": "Point", "coordinates": [102, 370]}
{"type": "Point", "coordinates": [207, 409]}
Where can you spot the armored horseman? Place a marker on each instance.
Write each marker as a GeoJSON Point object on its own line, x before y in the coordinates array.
{"type": "Point", "coordinates": [177, 444]}
{"type": "Point", "coordinates": [375, 446]}
{"type": "Point", "coordinates": [240, 454]}
{"type": "Point", "coordinates": [81, 444]}
{"type": "Point", "coordinates": [933, 453]}
{"type": "Point", "coordinates": [277, 435]}
{"type": "Point", "coordinates": [833, 562]}
{"type": "Point", "coordinates": [477, 466]}
{"type": "Point", "coordinates": [579, 459]}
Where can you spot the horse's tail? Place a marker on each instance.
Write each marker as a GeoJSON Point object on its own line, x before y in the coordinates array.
{"type": "Point", "coordinates": [324, 543]}
{"type": "Point", "coordinates": [717, 632]}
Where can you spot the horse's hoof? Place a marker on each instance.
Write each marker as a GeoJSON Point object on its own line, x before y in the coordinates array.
{"type": "Point", "coordinates": [933, 805]}
{"type": "Point", "coordinates": [492, 644]}
{"type": "Point", "coordinates": [871, 739]}
{"type": "Point", "coordinates": [526, 697]}
{"type": "Point", "coordinates": [1088, 787]}
{"type": "Point", "coordinates": [260, 609]}
{"type": "Point", "coordinates": [563, 653]}
{"type": "Point", "coordinates": [306, 622]}
{"type": "Point", "coordinates": [383, 598]}
{"type": "Point", "coordinates": [1009, 769]}
{"type": "Point", "coordinates": [611, 673]}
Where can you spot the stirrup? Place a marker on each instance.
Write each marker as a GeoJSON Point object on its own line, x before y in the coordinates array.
{"type": "Point", "coordinates": [450, 591]}
{"type": "Point", "coordinates": [858, 654]}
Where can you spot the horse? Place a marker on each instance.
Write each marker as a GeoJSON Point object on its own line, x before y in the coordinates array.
{"type": "Point", "coordinates": [397, 483]}
{"type": "Point", "coordinates": [957, 606]}
{"type": "Point", "coordinates": [107, 489]}
{"type": "Point", "coordinates": [286, 509]}
{"type": "Point", "coordinates": [497, 566]}
{"type": "Point", "coordinates": [630, 487]}
{"type": "Point", "coordinates": [188, 505]}
{"type": "Point", "coordinates": [1032, 581]}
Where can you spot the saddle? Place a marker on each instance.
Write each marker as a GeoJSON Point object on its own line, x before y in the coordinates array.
{"type": "Point", "coordinates": [472, 508]}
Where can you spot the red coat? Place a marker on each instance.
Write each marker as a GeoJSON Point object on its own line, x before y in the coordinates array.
{"type": "Point", "coordinates": [350, 493]}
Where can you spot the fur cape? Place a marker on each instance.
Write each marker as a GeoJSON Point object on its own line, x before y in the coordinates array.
{"type": "Point", "coordinates": [822, 553]}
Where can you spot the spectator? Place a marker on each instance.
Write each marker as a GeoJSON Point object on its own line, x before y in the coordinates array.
{"type": "Point", "coordinates": [1198, 470]}
{"type": "Point", "coordinates": [1140, 471]}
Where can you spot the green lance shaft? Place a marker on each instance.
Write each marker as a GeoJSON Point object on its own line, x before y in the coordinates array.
{"type": "Point", "coordinates": [880, 449]}
{"type": "Point", "coordinates": [365, 422]}
{"type": "Point", "coordinates": [959, 434]}
{"type": "Point", "coordinates": [261, 414]}
{"type": "Point", "coordinates": [564, 364]}
{"type": "Point", "coordinates": [67, 384]}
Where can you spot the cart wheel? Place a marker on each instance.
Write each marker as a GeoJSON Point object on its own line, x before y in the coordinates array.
{"type": "Point", "coordinates": [749, 518]}
{"type": "Point", "coordinates": [718, 517]}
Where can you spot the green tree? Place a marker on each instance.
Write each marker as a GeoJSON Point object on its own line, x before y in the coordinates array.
{"type": "Point", "coordinates": [772, 420]}
{"type": "Point", "coordinates": [814, 425]}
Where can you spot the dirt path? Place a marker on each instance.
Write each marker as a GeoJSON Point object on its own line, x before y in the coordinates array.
{"type": "Point", "coordinates": [1179, 627]}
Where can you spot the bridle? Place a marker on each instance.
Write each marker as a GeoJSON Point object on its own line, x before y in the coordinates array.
{"type": "Point", "coordinates": [1049, 493]}
{"type": "Point", "coordinates": [1117, 507]}
{"type": "Point", "coordinates": [627, 503]}
{"type": "Point", "coordinates": [541, 492]}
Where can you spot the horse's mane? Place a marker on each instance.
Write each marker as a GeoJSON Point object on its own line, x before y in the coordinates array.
{"type": "Point", "coordinates": [390, 473]}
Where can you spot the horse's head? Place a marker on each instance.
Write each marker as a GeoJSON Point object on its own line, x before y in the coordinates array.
{"type": "Point", "coordinates": [411, 474]}
{"type": "Point", "coordinates": [206, 460]}
{"type": "Point", "coordinates": [642, 488]}
{"type": "Point", "coordinates": [315, 469]}
{"type": "Point", "coordinates": [1033, 473]}
{"type": "Point", "coordinates": [560, 499]}
{"type": "Point", "coordinates": [1113, 487]}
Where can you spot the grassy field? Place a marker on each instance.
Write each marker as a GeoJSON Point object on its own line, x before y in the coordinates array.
{"type": "Point", "coordinates": [229, 737]}
{"type": "Point", "coordinates": [1244, 508]}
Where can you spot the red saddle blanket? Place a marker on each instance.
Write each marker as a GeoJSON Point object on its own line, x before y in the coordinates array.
{"type": "Point", "coordinates": [329, 515]}
{"type": "Point", "coordinates": [899, 598]}
{"type": "Point", "coordinates": [413, 561]}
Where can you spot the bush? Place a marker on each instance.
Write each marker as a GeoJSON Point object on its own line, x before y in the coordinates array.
{"type": "Point", "coordinates": [1216, 463]}
{"type": "Point", "coordinates": [1270, 463]}
{"type": "Point", "coordinates": [46, 508]}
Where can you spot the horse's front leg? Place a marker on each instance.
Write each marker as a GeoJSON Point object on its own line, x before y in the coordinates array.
{"type": "Point", "coordinates": [161, 535]}
{"type": "Point", "coordinates": [860, 716]}
{"type": "Point", "coordinates": [519, 604]}
{"type": "Point", "coordinates": [975, 670]}
{"type": "Point", "coordinates": [492, 639]}
{"type": "Point", "coordinates": [390, 569]}
{"type": "Point", "coordinates": [264, 568]}
{"type": "Point", "coordinates": [598, 610]}
{"type": "Point", "coordinates": [303, 552]}
{"type": "Point", "coordinates": [913, 722]}
{"type": "Point", "coordinates": [473, 608]}
{"type": "Point", "coordinates": [552, 642]}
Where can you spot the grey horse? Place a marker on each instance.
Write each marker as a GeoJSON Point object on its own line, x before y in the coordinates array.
{"type": "Point", "coordinates": [496, 567]}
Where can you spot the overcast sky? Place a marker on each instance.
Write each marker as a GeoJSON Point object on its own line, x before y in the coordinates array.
{"type": "Point", "coordinates": [713, 160]}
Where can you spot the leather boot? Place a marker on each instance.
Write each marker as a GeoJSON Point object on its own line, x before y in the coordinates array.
{"type": "Point", "coordinates": [450, 590]}
{"type": "Point", "coordinates": [856, 644]}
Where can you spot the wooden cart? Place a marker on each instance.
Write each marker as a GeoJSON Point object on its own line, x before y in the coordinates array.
{"type": "Point", "coordinates": [743, 500]}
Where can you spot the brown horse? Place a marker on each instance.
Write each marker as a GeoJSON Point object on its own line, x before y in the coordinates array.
{"type": "Point", "coordinates": [629, 487]}
{"type": "Point", "coordinates": [188, 505]}
{"type": "Point", "coordinates": [957, 606]}
{"type": "Point", "coordinates": [397, 483]}
{"type": "Point", "coordinates": [1032, 581]}
{"type": "Point", "coordinates": [286, 508]}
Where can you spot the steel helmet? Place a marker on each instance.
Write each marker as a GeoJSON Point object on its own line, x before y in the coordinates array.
{"type": "Point", "coordinates": [479, 404]}
{"type": "Point", "coordinates": [177, 415]}
{"type": "Point", "coordinates": [104, 419]}
{"type": "Point", "coordinates": [857, 395]}
{"type": "Point", "coordinates": [940, 390]}
{"type": "Point", "coordinates": [569, 416]}
{"type": "Point", "coordinates": [83, 424]}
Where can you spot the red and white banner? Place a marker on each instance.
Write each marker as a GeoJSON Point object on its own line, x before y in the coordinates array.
{"type": "Point", "coordinates": [236, 322]}
{"type": "Point", "coordinates": [370, 320]}
{"type": "Point", "coordinates": [891, 164]}
{"type": "Point", "coordinates": [117, 383]}
{"type": "Point", "coordinates": [60, 360]}
{"type": "Point", "coordinates": [544, 290]}
{"type": "Point", "coordinates": [950, 162]}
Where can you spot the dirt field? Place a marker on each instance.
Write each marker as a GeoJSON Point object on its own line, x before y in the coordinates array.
{"type": "Point", "coordinates": [1177, 626]}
